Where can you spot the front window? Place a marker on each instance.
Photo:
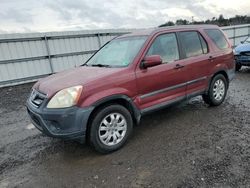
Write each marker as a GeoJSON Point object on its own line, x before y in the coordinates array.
{"type": "Point", "coordinates": [166, 46]}
{"type": "Point", "coordinates": [118, 53]}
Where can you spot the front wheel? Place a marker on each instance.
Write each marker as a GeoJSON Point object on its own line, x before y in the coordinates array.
{"type": "Point", "coordinates": [217, 91]}
{"type": "Point", "coordinates": [110, 128]}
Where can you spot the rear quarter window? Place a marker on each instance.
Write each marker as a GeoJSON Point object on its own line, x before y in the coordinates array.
{"type": "Point", "coordinates": [218, 38]}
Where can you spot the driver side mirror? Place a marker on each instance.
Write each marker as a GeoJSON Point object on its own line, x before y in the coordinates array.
{"type": "Point", "coordinates": [151, 61]}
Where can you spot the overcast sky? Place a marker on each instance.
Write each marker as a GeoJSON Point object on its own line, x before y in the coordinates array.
{"type": "Point", "coordinates": [61, 15]}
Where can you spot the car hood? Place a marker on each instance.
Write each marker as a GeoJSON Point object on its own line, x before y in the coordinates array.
{"type": "Point", "coordinates": [242, 48]}
{"type": "Point", "coordinates": [76, 76]}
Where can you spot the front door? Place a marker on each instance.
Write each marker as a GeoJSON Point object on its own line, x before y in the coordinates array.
{"type": "Point", "coordinates": [164, 83]}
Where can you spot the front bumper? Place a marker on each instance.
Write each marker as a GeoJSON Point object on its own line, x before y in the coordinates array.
{"type": "Point", "coordinates": [68, 123]}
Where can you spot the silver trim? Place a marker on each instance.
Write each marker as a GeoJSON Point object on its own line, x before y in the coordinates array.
{"type": "Point", "coordinates": [196, 80]}
{"type": "Point", "coordinates": [163, 90]}
{"type": "Point", "coordinates": [172, 87]}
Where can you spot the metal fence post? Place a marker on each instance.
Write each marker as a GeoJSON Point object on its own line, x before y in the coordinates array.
{"type": "Point", "coordinates": [248, 30]}
{"type": "Point", "coordinates": [234, 34]}
{"type": "Point", "coordinates": [99, 40]}
{"type": "Point", "coordinates": [48, 52]}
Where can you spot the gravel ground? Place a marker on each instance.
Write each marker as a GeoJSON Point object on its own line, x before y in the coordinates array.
{"type": "Point", "coordinates": [186, 145]}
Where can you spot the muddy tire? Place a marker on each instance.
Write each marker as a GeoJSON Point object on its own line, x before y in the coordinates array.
{"type": "Point", "coordinates": [217, 91]}
{"type": "Point", "coordinates": [110, 128]}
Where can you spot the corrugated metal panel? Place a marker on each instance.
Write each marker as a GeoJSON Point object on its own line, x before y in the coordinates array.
{"type": "Point", "coordinates": [26, 57]}
{"type": "Point", "coordinates": [237, 33]}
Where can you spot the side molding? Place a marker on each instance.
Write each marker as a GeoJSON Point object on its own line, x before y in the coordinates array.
{"type": "Point", "coordinates": [173, 87]}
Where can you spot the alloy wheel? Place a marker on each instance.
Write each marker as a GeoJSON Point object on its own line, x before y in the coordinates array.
{"type": "Point", "coordinates": [112, 129]}
{"type": "Point", "coordinates": [219, 90]}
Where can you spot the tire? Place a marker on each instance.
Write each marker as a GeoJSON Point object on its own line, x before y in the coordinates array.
{"type": "Point", "coordinates": [238, 66]}
{"type": "Point", "coordinates": [105, 136]}
{"type": "Point", "coordinates": [217, 91]}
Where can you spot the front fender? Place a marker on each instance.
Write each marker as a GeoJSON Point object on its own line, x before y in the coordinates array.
{"type": "Point", "coordinates": [111, 95]}
{"type": "Point", "coordinates": [94, 99]}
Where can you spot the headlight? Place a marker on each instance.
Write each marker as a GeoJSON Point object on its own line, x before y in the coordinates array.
{"type": "Point", "coordinates": [65, 98]}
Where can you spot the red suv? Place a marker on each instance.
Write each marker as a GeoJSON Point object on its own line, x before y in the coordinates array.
{"type": "Point", "coordinates": [128, 77]}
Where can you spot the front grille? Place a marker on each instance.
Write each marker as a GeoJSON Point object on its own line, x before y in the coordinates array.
{"type": "Point", "coordinates": [246, 53]}
{"type": "Point", "coordinates": [37, 98]}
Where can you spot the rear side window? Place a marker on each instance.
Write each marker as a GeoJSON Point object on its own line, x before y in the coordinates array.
{"type": "Point", "coordinates": [192, 43]}
{"type": "Point", "coordinates": [217, 37]}
{"type": "Point", "coordinates": [166, 46]}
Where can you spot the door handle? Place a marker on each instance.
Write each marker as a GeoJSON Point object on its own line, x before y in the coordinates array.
{"type": "Point", "coordinates": [211, 58]}
{"type": "Point", "coordinates": [178, 66]}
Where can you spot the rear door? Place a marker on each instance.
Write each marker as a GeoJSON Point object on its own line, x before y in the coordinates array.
{"type": "Point", "coordinates": [197, 61]}
{"type": "Point", "coordinates": [164, 83]}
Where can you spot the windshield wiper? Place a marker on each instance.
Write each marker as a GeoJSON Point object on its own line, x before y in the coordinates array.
{"type": "Point", "coordinates": [100, 65]}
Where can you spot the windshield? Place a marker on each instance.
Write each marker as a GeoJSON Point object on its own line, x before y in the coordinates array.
{"type": "Point", "coordinates": [118, 52]}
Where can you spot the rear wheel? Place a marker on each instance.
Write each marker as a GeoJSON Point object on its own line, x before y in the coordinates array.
{"type": "Point", "coordinates": [110, 128]}
{"type": "Point", "coordinates": [217, 91]}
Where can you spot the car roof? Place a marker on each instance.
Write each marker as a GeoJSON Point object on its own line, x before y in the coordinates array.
{"type": "Point", "coordinates": [153, 31]}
